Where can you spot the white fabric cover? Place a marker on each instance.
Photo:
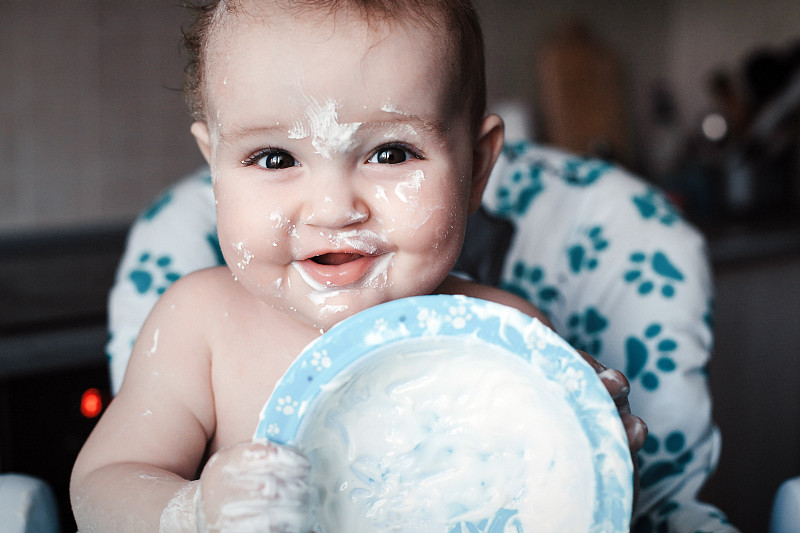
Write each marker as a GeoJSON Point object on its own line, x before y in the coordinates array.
{"type": "Point", "coordinates": [176, 235]}
{"type": "Point", "coordinates": [786, 508]}
{"type": "Point", "coordinates": [617, 269]}
{"type": "Point", "coordinates": [625, 278]}
{"type": "Point", "coordinates": [27, 505]}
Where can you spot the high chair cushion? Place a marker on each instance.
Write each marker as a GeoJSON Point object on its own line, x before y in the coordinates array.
{"type": "Point", "coordinates": [27, 505]}
{"type": "Point", "coordinates": [611, 261]}
{"type": "Point", "coordinates": [785, 516]}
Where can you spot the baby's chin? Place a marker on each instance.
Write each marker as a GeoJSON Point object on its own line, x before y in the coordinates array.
{"type": "Point", "coordinates": [322, 311]}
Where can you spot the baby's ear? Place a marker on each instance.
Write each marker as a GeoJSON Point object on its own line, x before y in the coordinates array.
{"type": "Point", "coordinates": [488, 146]}
{"type": "Point", "coordinates": [203, 139]}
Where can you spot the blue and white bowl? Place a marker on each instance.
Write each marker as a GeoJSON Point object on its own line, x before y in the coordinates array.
{"type": "Point", "coordinates": [451, 414]}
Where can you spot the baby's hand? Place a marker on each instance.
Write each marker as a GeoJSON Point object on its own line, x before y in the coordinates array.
{"type": "Point", "coordinates": [635, 429]}
{"type": "Point", "coordinates": [618, 387]}
{"type": "Point", "coordinates": [256, 486]}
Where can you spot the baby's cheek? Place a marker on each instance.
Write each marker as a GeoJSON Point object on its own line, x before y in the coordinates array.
{"type": "Point", "coordinates": [417, 201]}
{"type": "Point", "coordinates": [437, 235]}
{"type": "Point", "coordinates": [430, 220]}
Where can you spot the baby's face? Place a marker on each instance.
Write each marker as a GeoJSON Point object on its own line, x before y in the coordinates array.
{"type": "Point", "coordinates": [341, 172]}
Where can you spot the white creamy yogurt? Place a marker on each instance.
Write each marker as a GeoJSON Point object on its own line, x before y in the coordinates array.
{"type": "Point", "coordinates": [423, 437]}
{"type": "Point", "coordinates": [328, 136]}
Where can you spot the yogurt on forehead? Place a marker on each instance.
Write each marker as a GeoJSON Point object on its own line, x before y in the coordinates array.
{"type": "Point", "coordinates": [422, 437]}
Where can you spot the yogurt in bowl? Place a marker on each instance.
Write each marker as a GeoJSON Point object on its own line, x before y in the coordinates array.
{"type": "Point", "coordinates": [450, 414]}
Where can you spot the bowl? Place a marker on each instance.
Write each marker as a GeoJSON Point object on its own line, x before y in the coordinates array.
{"type": "Point", "coordinates": [452, 414]}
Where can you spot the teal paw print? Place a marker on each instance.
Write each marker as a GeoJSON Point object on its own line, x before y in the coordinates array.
{"type": "Point", "coordinates": [667, 273]}
{"type": "Point", "coordinates": [529, 283]}
{"type": "Point", "coordinates": [653, 205]}
{"type": "Point", "coordinates": [585, 329]}
{"type": "Point", "coordinates": [654, 467]}
{"type": "Point", "coordinates": [656, 522]}
{"type": "Point", "coordinates": [638, 353]}
{"type": "Point", "coordinates": [708, 316]}
{"type": "Point", "coordinates": [719, 515]}
{"type": "Point", "coordinates": [584, 255]}
{"type": "Point", "coordinates": [583, 172]}
{"type": "Point", "coordinates": [153, 274]}
{"type": "Point", "coordinates": [516, 198]}
{"type": "Point", "coordinates": [155, 208]}
{"type": "Point", "coordinates": [213, 241]}
{"type": "Point", "coordinates": [513, 151]}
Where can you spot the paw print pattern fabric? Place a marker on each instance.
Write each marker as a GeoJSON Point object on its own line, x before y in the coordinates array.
{"type": "Point", "coordinates": [605, 255]}
{"type": "Point", "coordinates": [624, 277]}
{"type": "Point", "coordinates": [172, 237]}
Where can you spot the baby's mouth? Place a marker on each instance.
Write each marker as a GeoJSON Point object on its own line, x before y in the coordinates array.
{"type": "Point", "coordinates": [337, 270]}
{"type": "Point", "coordinates": [334, 259]}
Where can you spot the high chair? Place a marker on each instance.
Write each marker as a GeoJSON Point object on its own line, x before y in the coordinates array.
{"type": "Point", "coordinates": [610, 260]}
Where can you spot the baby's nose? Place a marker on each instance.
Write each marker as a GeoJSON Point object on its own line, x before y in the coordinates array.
{"type": "Point", "coordinates": [335, 203]}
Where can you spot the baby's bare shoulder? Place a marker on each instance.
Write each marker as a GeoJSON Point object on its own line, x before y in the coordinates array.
{"type": "Point", "coordinates": [197, 293]}
{"type": "Point", "coordinates": [179, 327]}
{"type": "Point", "coordinates": [217, 280]}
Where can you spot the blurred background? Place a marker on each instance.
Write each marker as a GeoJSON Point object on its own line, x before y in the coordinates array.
{"type": "Point", "coordinates": [700, 98]}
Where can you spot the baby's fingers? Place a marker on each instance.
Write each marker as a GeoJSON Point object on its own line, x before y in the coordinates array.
{"type": "Point", "coordinates": [272, 472]}
{"type": "Point", "coordinates": [618, 387]}
{"type": "Point", "coordinates": [635, 430]}
{"type": "Point", "coordinates": [257, 486]}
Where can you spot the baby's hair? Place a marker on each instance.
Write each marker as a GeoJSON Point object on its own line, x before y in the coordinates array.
{"type": "Point", "coordinates": [456, 21]}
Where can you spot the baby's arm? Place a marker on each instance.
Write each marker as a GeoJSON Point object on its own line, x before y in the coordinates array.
{"type": "Point", "coordinates": [153, 436]}
{"type": "Point", "coordinates": [136, 470]}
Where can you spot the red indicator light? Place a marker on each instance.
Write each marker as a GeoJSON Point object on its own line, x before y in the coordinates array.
{"type": "Point", "coordinates": [91, 403]}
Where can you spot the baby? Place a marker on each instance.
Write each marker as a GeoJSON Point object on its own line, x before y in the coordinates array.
{"type": "Point", "coordinates": [347, 143]}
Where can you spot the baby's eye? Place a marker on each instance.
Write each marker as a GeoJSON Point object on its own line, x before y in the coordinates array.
{"type": "Point", "coordinates": [392, 155]}
{"type": "Point", "coordinates": [272, 159]}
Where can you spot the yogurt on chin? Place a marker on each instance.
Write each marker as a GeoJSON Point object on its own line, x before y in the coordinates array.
{"type": "Point", "coordinates": [430, 435]}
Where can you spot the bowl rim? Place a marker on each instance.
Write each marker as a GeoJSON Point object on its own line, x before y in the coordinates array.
{"type": "Point", "coordinates": [456, 316]}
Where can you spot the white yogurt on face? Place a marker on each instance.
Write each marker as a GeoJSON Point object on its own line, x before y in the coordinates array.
{"type": "Point", "coordinates": [328, 136]}
{"type": "Point", "coordinates": [422, 437]}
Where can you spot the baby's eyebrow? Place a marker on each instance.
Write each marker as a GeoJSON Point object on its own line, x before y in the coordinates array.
{"type": "Point", "coordinates": [417, 124]}
{"type": "Point", "coordinates": [229, 135]}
